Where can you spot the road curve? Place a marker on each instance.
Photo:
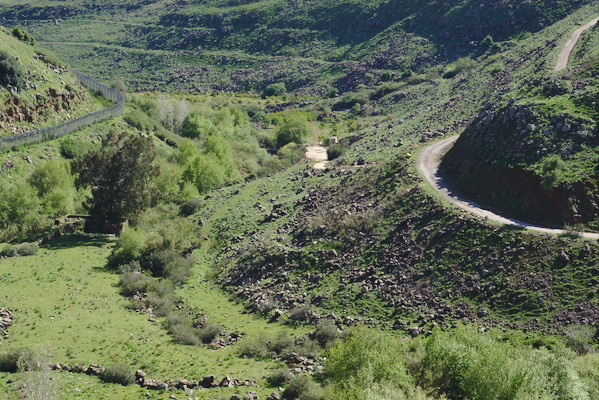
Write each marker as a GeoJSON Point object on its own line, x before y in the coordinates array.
{"type": "Point", "coordinates": [428, 165]}
{"type": "Point", "coordinates": [564, 55]}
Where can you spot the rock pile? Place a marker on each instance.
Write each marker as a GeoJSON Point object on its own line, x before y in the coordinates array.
{"type": "Point", "coordinates": [207, 382]}
{"type": "Point", "coordinates": [6, 320]}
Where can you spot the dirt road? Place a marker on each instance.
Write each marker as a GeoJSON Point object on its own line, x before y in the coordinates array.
{"type": "Point", "coordinates": [317, 153]}
{"type": "Point", "coordinates": [428, 164]}
{"type": "Point", "coordinates": [564, 55]}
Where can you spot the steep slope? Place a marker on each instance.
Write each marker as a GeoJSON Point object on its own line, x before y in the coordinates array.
{"type": "Point", "coordinates": [536, 156]}
{"type": "Point", "coordinates": [37, 90]}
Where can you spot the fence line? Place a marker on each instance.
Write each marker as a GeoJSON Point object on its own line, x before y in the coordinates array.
{"type": "Point", "coordinates": [64, 128]}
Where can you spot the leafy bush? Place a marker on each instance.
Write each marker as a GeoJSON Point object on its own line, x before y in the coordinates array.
{"type": "Point", "coordinates": [385, 89]}
{"type": "Point", "coordinates": [132, 283]}
{"type": "Point", "coordinates": [23, 36]}
{"type": "Point", "coordinates": [9, 362]}
{"type": "Point", "coordinates": [364, 361]}
{"type": "Point", "coordinates": [336, 150]}
{"type": "Point", "coordinates": [130, 247]}
{"type": "Point", "coordinates": [256, 113]}
{"type": "Point", "coordinates": [190, 207]}
{"type": "Point", "coordinates": [210, 332]}
{"type": "Point", "coordinates": [465, 363]}
{"type": "Point", "coordinates": [255, 348]}
{"type": "Point", "coordinates": [349, 101]}
{"type": "Point", "coordinates": [118, 373]}
{"type": "Point", "coordinates": [552, 171]}
{"type": "Point", "coordinates": [326, 333]}
{"type": "Point", "coordinates": [275, 89]}
{"type": "Point", "coordinates": [73, 148]}
{"type": "Point", "coordinates": [292, 152]}
{"type": "Point", "coordinates": [461, 65]}
{"type": "Point", "coordinates": [141, 121]}
{"type": "Point", "coordinates": [168, 264]}
{"type": "Point", "coordinates": [302, 388]}
{"type": "Point", "coordinates": [294, 130]}
{"type": "Point", "coordinates": [280, 377]}
{"type": "Point", "coordinates": [11, 73]}
{"type": "Point", "coordinates": [24, 249]}
{"type": "Point", "coordinates": [332, 92]}
{"type": "Point", "coordinates": [185, 334]}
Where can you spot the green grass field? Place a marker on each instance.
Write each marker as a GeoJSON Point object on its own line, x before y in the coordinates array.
{"type": "Point", "coordinates": [63, 297]}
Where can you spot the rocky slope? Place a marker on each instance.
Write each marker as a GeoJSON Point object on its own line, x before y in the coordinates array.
{"type": "Point", "coordinates": [48, 93]}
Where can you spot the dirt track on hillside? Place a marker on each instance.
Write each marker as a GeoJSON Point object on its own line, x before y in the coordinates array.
{"type": "Point", "coordinates": [564, 55]}
{"type": "Point", "coordinates": [428, 164]}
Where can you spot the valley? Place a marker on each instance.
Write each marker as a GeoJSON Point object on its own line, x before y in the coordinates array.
{"type": "Point", "coordinates": [312, 200]}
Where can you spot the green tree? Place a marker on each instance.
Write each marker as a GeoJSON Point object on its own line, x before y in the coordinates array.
{"type": "Point", "coordinates": [11, 73]}
{"type": "Point", "coordinates": [120, 174]}
{"type": "Point", "coordinates": [294, 129]}
{"type": "Point", "coordinates": [20, 210]}
{"type": "Point", "coordinates": [275, 89]}
{"type": "Point", "coordinates": [23, 36]}
{"type": "Point", "coordinates": [205, 172]}
{"type": "Point", "coordinates": [197, 125]}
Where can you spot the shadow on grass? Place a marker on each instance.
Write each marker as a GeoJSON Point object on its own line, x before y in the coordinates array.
{"type": "Point", "coordinates": [72, 241]}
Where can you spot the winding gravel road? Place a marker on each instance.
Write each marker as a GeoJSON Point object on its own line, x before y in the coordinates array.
{"type": "Point", "coordinates": [564, 55]}
{"type": "Point", "coordinates": [430, 157]}
{"type": "Point", "coordinates": [428, 164]}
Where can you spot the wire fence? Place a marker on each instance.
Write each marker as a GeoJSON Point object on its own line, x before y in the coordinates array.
{"type": "Point", "coordinates": [64, 128]}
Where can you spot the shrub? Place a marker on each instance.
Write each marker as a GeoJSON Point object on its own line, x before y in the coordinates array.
{"type": "Point", "coordinates": [206, 172]}
{"type": "Point", "coordinates": [292, 152]}
{"type": "Point", "coordinates": [118, 373]}
{"type": "Point", "coordinates": [190, 207]}
{"type": "Point", "coordinates": [255, 348]}
{"type": "Point", "coordinates": [141, 121]}
{"type": "Point", "coordinates": [275, 89]}
{"type": "Point", "coordinates": [326, 334]}
{"type": "Point", "coordinates": [256, 113]}
{"type": "Point", "coordinates": [280, 377]}
{"type": "Point", "coordinates": [365, 360]}
{"type": "Point", "coordinates": [210, 332]}
{"type": "Point", "coordinates": [293, 130]}
{"type": "Point", "coordinates": [130, 247]}
{"type": "Point", "coordinates": [303, 388]}
{"type": "Point", "coordinates": [332, 92]}
{"type": "Point", "coordinates": [465, 363]}
{"type": "Point", "coordinates": [461, 65]}
{"type": "Point", "coordinates": [11, 73]}
{"type": "Point", "coordinates": [9, 362]}
{"type": "Point", "coordinates": [385, 89]}
{"type": "Point", "coordinates": [336, 150]}
{"type": "Point", "coordinates": [73, 148]}
{"type": "Point", "coordinates": [24, 249]}
{"type": "Point", "coordinates": [301, 313]}
{"type": "Point", "coordinates": [185, 334]}
{"type": "Point", "coordinates": [552, 171]}
{"type": "Point", "coordinates": [132, 283]}
{"type": "Point", "coordinates": [23, 36]}
{"type": "Point", "coordinates": [349, 101]}
{"type": "Point", "coordinates": [280, 344]}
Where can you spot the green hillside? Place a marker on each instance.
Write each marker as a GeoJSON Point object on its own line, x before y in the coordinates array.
{"type": "Point", "coordinates": [246, 45]}
{"type": "Point", "coordinates": [248, 268]}
{"type": "Point", "coordinates": [41, 91]}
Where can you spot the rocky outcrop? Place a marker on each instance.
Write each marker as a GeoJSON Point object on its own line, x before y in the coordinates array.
{"type": "Point", "coordinates": [498, 161]}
